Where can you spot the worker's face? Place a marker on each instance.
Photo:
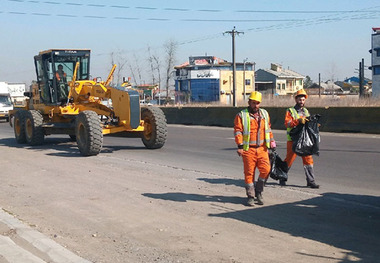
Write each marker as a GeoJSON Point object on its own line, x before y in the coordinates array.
{"type": "Point", "coordinates": [254, 105]}
{"type": "Point", "coordinates": [300, 100]}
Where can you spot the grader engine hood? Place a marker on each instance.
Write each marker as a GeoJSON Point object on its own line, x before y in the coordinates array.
{"type": "Point", "coordinates": [120, 100]}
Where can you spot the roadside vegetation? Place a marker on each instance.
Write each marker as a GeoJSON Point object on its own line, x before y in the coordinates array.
{"type": "Point", "coordinates": [288, 101]}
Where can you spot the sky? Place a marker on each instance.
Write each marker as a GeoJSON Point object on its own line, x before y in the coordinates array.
{"type": "Point", "coordinates": [310, 37]}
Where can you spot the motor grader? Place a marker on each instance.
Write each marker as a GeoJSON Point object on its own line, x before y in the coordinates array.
{"type": "Point", "coordinates": [64, 100]}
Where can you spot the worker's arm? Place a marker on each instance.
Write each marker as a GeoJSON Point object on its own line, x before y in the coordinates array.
{"type": "Point", "coordinates": [290, 122]}
{"type": "Point", "coordinates": [272, 141]}
{"type": "Point", "coordinates": [238, 130]}
{"type": "Point", "coordinates": [238, 133]}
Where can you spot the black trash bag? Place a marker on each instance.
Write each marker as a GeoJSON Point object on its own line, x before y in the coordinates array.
{"type": "Point", "coordinates": [306, 138]}
{"type": "Point", "coordinates": [279, 168]}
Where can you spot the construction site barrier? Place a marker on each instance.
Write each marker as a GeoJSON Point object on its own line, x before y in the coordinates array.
{"type": "Point", "coordinates": [334, 119]}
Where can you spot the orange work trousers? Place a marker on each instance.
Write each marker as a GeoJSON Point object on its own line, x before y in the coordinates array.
{"type": "Point", "coordinates": [291, 156]}
{"type": "Point", "coordinates": [256, 158]}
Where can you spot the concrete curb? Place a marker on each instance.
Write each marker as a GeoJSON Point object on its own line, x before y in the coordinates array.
{"type": "Point", "coordinates": [48, 247]}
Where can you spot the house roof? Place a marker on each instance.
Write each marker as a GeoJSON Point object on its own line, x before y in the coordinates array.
{"type": "Point", "coordinates": [355, 80]}
{"type": "Point", "coordinates": [278, 71]}
{"type": "Point", "coordinates": [202, 60]}
{"type": "Point", "coordinates": [326, 86]}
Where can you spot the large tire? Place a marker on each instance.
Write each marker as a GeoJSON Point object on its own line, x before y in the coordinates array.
{"type": "Point", "coordinates": [155, 127]}
{"type": "Point", "coordinates": [88, 132]}
{"type": "Point", "coordinates": [34, 133]}
{"type": "Point", "coordinates": [19, 126]}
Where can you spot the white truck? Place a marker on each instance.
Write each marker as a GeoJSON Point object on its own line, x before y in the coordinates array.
{"type": "Point", "coordinates": [5, 101]}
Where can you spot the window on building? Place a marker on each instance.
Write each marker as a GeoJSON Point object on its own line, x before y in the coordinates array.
{"type": "Point", "coordinates": [376, 70]}
{"type": "Point", "coordinates": [247, 82]}
{"type": "Point", "coordinates": [278, 86]}
{"type": "Point", "coordinates": [377, 52]}
{"type": "Point", "coordinates": [283, 86]}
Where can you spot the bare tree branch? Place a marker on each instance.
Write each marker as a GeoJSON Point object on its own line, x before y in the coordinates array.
{"type": "Point", "coordinates": [170, 51]}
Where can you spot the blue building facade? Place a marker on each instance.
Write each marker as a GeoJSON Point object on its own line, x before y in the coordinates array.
{"type": "Point", "coordinates": [208, 79]}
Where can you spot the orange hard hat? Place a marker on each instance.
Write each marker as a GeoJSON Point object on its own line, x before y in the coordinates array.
{"type": "Point", "coordinates": [301, 92]}
{"type": "Point", "coordinates": [255, 95]}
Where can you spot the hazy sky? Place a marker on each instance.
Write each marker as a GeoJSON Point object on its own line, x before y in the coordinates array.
{"type": "Point", "coordinates": [307, 36]}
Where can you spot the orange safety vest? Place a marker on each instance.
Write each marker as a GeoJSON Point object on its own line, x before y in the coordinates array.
{"type": "Point", "coordinates": [58, 76]}
{"type": "Point", "coordinates": [295, 116]}
{"type": "Point", "coordinates": [247, 128]}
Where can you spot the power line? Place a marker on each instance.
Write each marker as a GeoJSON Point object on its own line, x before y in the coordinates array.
{"type": "Point", "coordinates": [174, 9]}
{"type": "Point", "coordinates": [315, 20]}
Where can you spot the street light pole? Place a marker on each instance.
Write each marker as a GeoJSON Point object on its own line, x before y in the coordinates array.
{"type": "Point", "coordinates": [244, 61]}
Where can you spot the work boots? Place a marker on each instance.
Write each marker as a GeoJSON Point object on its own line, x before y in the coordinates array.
{"type": "Point", "coordinates": [258, 191]}
{"type": "Point", "coordinates": [250, 190]}
{"type": "Point", "coordinates": [313, 185]}
{"type": "Point", "coordinates": [309, 172]}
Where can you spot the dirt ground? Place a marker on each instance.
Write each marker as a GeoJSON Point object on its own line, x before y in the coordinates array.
{"type": "Point", "coordinates": [120, 208]}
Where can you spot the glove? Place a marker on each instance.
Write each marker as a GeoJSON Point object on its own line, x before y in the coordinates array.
{"type": "Point", "coordinates": [273, 145]}
{"type": "Point", "coordinates": [302, 120]}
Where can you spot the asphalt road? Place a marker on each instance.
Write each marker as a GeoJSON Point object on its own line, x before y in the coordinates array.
{"type": "Point", "coordinates": [185, 202]}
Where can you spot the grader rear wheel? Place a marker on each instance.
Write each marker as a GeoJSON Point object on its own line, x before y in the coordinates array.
{"type": "Point", "coordinates": [88, 132]}
{"type": "Point", "coordinates": [19, 126]}
{"type": "Point", "coordinates": [155, 128]}
{"type": "Point", "coordinates": [34, 132]}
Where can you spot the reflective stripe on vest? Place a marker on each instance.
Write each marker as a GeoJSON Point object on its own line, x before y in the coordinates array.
{"type": "Point", "coordinates": [264, 113]}
{"type": "Point", "coordinates": [247, 128]}
{"type": "Point", "coordinates": [295, 116]}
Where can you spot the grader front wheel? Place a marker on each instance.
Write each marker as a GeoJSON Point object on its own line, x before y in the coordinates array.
{"type": "Point", "coordinates": [155, 128]}
{"type": "Point", "coordinates": [88, 132]}
{"type": "Point", "coordinates": [34, 132]}
{"type": "Point", "coordinates": [19, 126]}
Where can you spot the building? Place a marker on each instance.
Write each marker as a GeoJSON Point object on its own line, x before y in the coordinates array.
{"type": "Point", "coordinates": [353, 84]}
{"type": "Point", "coordinates": [210, 79]}
{"type": "Point", "coordinates": [278, 81]}
{"type": "Point", "coordinates": [147, 91]}
{"type": "Point", "coordinates": [375, 62]}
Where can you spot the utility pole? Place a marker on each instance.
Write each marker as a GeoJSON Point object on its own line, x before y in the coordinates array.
{"type": "Point", "coordinates": [233, 33]}
{"type": "Point", "coordinates": [319, 84]}
{"type": "Point", "coordinates": [361, 78]}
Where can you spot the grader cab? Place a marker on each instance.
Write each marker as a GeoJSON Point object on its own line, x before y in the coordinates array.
{"type": "Point", "coordinates": [64, 100]}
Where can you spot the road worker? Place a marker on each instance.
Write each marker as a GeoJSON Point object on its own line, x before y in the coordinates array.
{"type": "Point", "coordinates": [253, 136]}
{"type": "Point", "coordinates": [60, 74]}
{"type": "Point", "coordinates": [295, 116]}
{"type": "Point", "coordinates": [62, 83]}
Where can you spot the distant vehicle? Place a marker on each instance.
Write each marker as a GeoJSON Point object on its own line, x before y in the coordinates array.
{"type": "Point", "coordinates": [144, 102]}
{"type": "Point", "coordinates": [5, 106]}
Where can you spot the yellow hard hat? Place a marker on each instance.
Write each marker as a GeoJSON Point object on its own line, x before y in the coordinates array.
{"type": "Point", "coordinates": [255, 95]}
{"type": "Point", "coordinates": [301, 92]}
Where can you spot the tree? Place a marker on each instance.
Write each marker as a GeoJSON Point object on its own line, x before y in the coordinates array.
{"type": "Point", "coordinates": [307, 82]}
{"type": "Point", "coordinates": [120, 61]}
{"type": "Point", "coordinates": [135, 71]}
{"type": "Point", "coordinates": [170, 51]}
{"type": "Point", "coordinates": [155, 65]}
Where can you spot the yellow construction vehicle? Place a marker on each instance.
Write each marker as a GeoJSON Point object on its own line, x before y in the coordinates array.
{"type": "Point", "coordinates": [64, 100]}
